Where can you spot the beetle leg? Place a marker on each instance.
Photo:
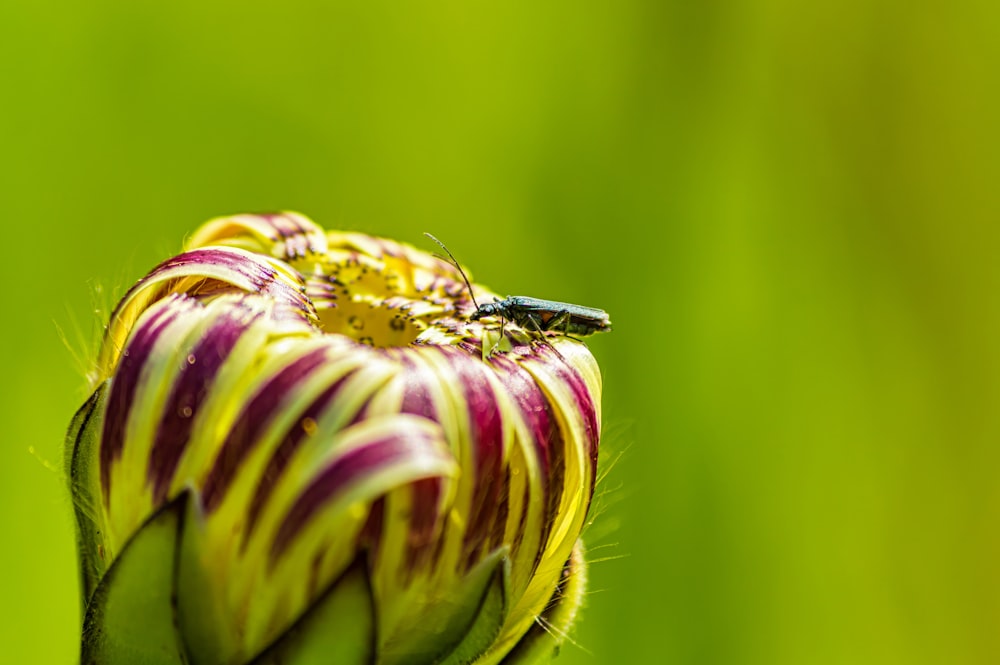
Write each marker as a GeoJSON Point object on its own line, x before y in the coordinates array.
{"type": "Point", "coordinates": [538, 328]}
{"type": "Point", "coordinates": [560, 320]}
{"type": "Point", "coordinates": [496, 345]}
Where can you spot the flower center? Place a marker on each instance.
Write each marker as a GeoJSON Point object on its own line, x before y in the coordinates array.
{"type": "Point", "coordinates": [381, 301]}
{"type": "Point", "coordinates": [372, 321]}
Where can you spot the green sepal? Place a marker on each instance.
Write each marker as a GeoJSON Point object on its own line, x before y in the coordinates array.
{"type": "Point", "coordinates": [81, 462]}
{"type": "Point", "coordinates": [542, 641]}
{"type": "Point", "coordinates": [201, 617]}
{"type": "Point", "coordinates": [340, 627]}
{"type": "Point", "coordinates": [488, 611]}
{"type": "Point", "coordinates": [130, 619]}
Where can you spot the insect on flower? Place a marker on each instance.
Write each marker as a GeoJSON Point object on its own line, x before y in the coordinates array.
{"type": "Point", "coordinates": [535, 313]}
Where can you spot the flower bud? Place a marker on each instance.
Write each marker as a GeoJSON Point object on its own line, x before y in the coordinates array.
{"type": "Point", "coordinates": [300, 449]}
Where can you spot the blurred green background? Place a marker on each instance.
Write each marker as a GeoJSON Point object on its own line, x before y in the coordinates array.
{"type": "Point", "coordinates": [790, 210]}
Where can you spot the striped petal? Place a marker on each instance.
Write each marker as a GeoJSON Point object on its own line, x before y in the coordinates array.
{"type": "Point", "coordinates": [323, 399]}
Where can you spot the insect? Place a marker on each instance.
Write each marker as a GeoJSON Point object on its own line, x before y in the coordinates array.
{"type": "Point", "coordinates": [535, 313]}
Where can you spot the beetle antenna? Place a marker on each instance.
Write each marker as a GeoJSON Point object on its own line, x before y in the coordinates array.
{"type": "Point", "coordinates": [454, 262]}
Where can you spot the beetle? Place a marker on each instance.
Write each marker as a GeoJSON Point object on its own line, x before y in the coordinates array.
{"type": "Point", "coordinates": [535, 313]}
{"type": "Point", "coordinates": [545, 315]}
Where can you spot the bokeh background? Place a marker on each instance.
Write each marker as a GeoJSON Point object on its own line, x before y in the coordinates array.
{"type": "Point", "coordinates": [790, 210]}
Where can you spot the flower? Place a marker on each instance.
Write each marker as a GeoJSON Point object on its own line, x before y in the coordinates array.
{"type": "Point", "coordinates": [300, 448]}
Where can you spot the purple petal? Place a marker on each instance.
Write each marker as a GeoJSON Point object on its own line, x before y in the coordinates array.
{"type": "Point", "coordinates": [246, 432]}
{"type": "Point", "coordinates": [285, 235]}
{"type": "Point", "coordinates": [189, 391]}
{"type": "Point", "coordinates": [126, 381]}
{"type": "Point", "coordinates": [546, 437]}
{"type": "Point", "coordinates": [486, 446]}
{"type": "Point", "coordinates": [283, 454]}
{"type": "Point", "coordinates": [415, 450]}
